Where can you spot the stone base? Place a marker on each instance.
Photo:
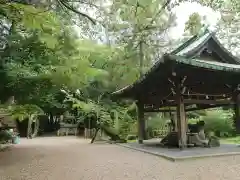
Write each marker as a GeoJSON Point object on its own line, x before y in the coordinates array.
{"type": "Point", "coordinates": [175, 154]}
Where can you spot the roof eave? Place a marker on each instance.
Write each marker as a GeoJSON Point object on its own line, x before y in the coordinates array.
{"type": "Point", "coordinates": [234, 59]}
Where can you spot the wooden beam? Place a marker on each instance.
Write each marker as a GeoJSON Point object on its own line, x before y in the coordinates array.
{"type": "Point", "coordinates": [157, 97]}
{"type": "Point", "coordinates": [237, 112]}
{"type": "Point", "coordinates": [174, 119]}
{"type": "Point", "coordinates": [188, 101]}
{"type": "Point", "coordinates": [146, 106]}
{"type": "Point", "coordinates": [207, 101]}
{"type": "Point", "coordinates": [187, 110]}
{"type": "Point", "coordinates": [157, 101]}
{"type": "Point", "coordinates": [141, 123]}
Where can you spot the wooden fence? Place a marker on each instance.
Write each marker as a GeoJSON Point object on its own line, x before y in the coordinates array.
{"type": "Point", "coordinates": [159, 133]}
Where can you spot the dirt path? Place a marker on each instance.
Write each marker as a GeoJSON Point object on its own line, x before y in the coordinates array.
{"type": "Point", "coordinates": [68, 158]}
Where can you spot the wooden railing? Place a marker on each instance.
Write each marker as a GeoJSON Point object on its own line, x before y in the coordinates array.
{"type": "Point", "coordinates": [160, 133]}
{"type": "Point", "coordinates": [67, 129]}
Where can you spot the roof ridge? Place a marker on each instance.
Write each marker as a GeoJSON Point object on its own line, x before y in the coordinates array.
{"type": "Point", "coordinates": [191, 40]}
{"type": "Point", "coordinates": [184, 44]}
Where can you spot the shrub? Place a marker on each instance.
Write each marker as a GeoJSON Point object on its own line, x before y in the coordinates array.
{"type": "Point", "coordinates": [157, 126]}
{"type": "Point", "coordinates": [5, 136]}
{"type": "Point", "coordinates": [220, 122]}
{"type": "Point", "coordinates": [133, 130]}
{"type": "Point", "coordinates": [193, 120]}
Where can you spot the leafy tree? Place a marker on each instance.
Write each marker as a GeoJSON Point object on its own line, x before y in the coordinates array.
{"type": "Point", "coordinates": [194, 24]}
{"type": "Point", "coordinates": [42, 54]}
{"type": "Point", "coordinates": [139, 27]}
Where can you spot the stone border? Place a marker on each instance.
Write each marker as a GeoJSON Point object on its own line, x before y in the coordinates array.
{"type": "Point", "coordinates": [174, 158]}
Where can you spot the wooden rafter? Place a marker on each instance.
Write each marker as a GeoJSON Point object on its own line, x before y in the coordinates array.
{"type": "Point", "coordinates": [207, 101]}
{"type": "Point", "coordinates": [187, 109]}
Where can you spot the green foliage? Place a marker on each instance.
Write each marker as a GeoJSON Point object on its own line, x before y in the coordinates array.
{"type": "Point", "coordinates": [43, 55]}
{"type": "Point", "coordinates": [231, 140]}
{"type": "Point", "coordinates": [217, 121]}
{"type": "Point", "coordinates": [157, 122]}
{"type": "Point", "coordinates": [196, 114]}
{"type": "Point", "coordinates": [193, 25]}
{"type": "Point", "coordinates": [30, 18]}
{"type": "Point", "coordinates": [220, 122]}
{"type": "Point", "coordinates": [193, 120]}
{"type": "Point", "coordinates": [21, 111]}
{"type": "Point", "coordinates": [131, 23]}
{"type": "Point", "coordinates": [5, 136]}
{"type": "Point", "coordinates": [107, 112]}
{"type": "Point", "coordinates": [157, 125]}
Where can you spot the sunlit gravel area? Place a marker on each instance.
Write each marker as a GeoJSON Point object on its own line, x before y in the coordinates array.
{"type": "Point", "coordinates": [70, 158]}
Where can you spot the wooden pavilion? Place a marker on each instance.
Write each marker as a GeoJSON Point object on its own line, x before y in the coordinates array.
{"type": "Point", "coordinates": [199, 74]}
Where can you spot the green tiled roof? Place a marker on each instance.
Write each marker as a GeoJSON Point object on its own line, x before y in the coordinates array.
{"type": "Point", "coordinates": [184, 55]}
{"type": "Point", "coordinates": [199, 63]}
{"type": "Point", "coordinates": [200, 40]}
{"type": "Point", "coordinates": [207, 38]}
{"type": "Point", "coordinates": [207, 64]}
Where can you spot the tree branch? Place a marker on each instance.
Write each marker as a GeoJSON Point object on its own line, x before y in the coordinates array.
{"type": "Point", "coordinates": [64, 3]}
{"type": "Point", "coordinates": [71, 8]}
{"type": "Point", "coordinates": [159, 12]}
{"type": "Point", "coordinates": [150, 26]}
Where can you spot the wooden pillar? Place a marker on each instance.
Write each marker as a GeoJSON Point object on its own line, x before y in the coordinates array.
{"type": "Point", "coordinates": [29, 127]}
{"type": "Point", "coordinates": [141, 123]}
{"type": "Point", "coordinates": [181, 121]}
{"type": "Point", "coordinates": [175, 121]}
{"type": "Point", "coordinates": [237, 113]}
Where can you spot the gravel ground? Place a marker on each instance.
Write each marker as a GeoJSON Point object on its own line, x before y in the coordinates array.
{"type": "Point", "coordinates": [68, 158]}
